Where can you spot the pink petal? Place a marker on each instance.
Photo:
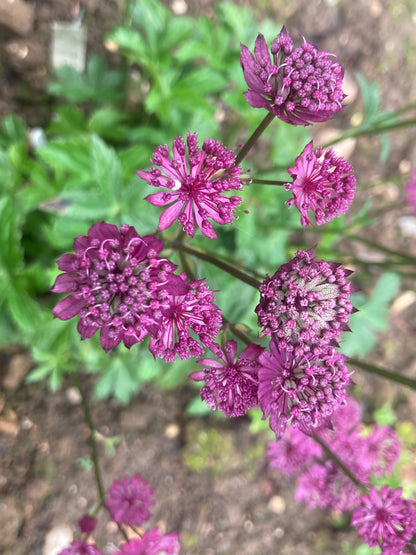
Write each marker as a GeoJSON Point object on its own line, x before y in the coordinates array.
{"type": "Point", "coordinates": [169, 215]}
{"type": "Point", "coordinates": [69, 307]}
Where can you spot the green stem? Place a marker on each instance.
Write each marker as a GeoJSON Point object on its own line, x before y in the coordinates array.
{"type": "Point", "coordinates": [267, 182]}
{"type": "Point", "coordinates": [212, 259]}
{"type": "Point", "coordinates": [380, 248]}
{"type": "Point", "coordinates": [256, 134]}
{"type": "Point", "coordinates": [331, 455]}
{"type": "Point", "coordinates": [383, 372]}
{"type": "Point", "coordinates": [93, 447]}
{"type": "Point", "coordinates": [374, 130]}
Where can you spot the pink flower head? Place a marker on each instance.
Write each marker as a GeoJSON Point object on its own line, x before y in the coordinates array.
{"type": "Point", "coordinates": [301, 389]}
{"type": "Point", "coordinates": [411, 190]}
{"type": "Point", "coordinates": [79, 547]}
{"type": "Point", "coordinates": [385, 519]}
{"type": "Point", "coordinates": [325, 485]}
{"type": "Point", "coordinates": [116, 284]}
{"type": "Point", "coordinates": [230, 385]}
{"type": "Point", "coordinates": [323, 182]}
{"type": "Point", "coordinates": [152, 543]}
{"type": "Point", "coordinates": [129, 500]}
{"type": "Point", "coordinates": [305, 304]}
{"type": "Point", "coordinates": [292, 452]}
{"type": "Point", "coordinates": [300, 85]}
{"type": "Point", "coordinates": [181, 318]}
{"type": "Point", "coordinates": [195, 183]}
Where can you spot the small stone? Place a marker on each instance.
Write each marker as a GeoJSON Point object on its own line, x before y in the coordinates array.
{"type": "Point", "coordinates": [73, 396]}
{"type": "Point", "coordinates": [172, 430]}
{"type": "Point", "coordinates": [277, 505]}
{"type": "Point", "coordinates": [59, 537]}
{"type": "Point", "coordinates": [16, 17]}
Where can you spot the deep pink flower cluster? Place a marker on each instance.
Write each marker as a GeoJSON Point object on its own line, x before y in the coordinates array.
{"type": "Point", "coordinates": [152, 543]}
{"type": "Point", "coordinates": [129, 501]}
{"type": "Point", "coordinates": [321, 482]}
{"type": "Point", "coordinates": [230, 385]}
{"type": "Point", "coordinates": [383, 518]}
{"type": "Point", "coordinates": [323, 183]}
{"type": "Point", "coordinates": [119, 285]}
{"type": "Point", "coordinates": [80, 547]}
{"type": "Point", "coordinates": [305, 305]}
{"type": "Point", "coordinates": [302, 389]}
{"type": "Point", "coordinates": [300, 85]}
{"type": "Point", "coordinates": [195, 180]}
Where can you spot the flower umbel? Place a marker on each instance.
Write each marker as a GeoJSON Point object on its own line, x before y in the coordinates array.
{"type": "Point", "coordinates": [384, 518]}
{"type": "Point", "coordinates": [195, 180]}
{"type": "Point", "coordinates": [152, 543]}
{"type": "Point", "coordinates": [323, 183]}
{"type": "Point", "coordinates": [116, 284]}
{"type": "Point", "coordinates": [230, 385]}
{"type": "Point", "coordinates": [300, 86]}
{"type": "Point", "coordinates": [129, 500]}
{"type": "Point", "coordinates": [79, 547]}
{"type": "Point", "coordinates": [305, 304]}
{"type": "Point", "coordinates": [194, 312]}
{"type": "Point", "coordinates": [301, 389]}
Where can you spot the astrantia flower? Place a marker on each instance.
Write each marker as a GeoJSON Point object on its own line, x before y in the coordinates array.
{"type": "Point", "coordinates": [305, 305]}
{"type": "Point", "coordinates": [323, 182]}
{"type": "Point", "coordinates": [181, 318]}
{"type": "Point", "coordinates": [382, 449]}
{"type": "Point", "coordinates": [79, 547]}
{"type": "Point", "coordinates": [301, 389]}
{"type": "Point", "coordinates": [301, 86]}
{"type": "Point", "coordinates": [230, 386]}
{"type": "Point", "coordinates": [292, 452]}
{"type": "Point", "coordinates": [152, 543]}
{"type": "Point", "coordinates": [385, 519]}
{"type": "Point", "coordinates": [116, 284]}
{"type": "Point", "coordinates": [411, 190]}
{"type": "Point", "coordinates": [195, 183]}
{"type": "Point", "coordinates": [129, 500]}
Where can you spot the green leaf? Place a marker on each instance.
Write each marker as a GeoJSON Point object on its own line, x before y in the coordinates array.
{"type": "Point", "coordinates": [12, 130]}
{"type": "Point", "coordinates": [106, 169]}
{"type": "Point", "coordinates": [371, 317]}
{"type": "Point", "coordinates": [70, 155]}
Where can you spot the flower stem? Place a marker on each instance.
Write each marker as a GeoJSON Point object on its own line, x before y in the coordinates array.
{"type": "Point", "coordinates": [93, 447]}
{"type": "Point", "coordinates": [383, 372]}
{"type": "Point", "coordinates": [212, 259]}
{"type": "Point", "coordinates": [380, 248]}
{"type": "Point", "coordinates": [267, 182]}
{"type": "Point", "coordinates": [338, 462]}
{"type": "Point", "coordinates": [256, 134]}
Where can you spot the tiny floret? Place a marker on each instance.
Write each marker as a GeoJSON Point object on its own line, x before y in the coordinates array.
{"type": "Point", "coordinates": [300, 85]}
{"type": "Point", "coordinates": [305, 304]}
{"type": "Point", "coordinates": [194, 180]}
{"type": "Point", "coordinates": [323, 183]}
{"type": "Point", "coordinates": [129, 501]}
{"type": "Point", "coordinates": [383, 518]}
{"type": "Point", "coordinates": [230, 385]}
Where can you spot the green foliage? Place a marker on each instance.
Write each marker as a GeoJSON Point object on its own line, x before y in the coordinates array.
{"type": "Point", "coordinates": [371, 316]}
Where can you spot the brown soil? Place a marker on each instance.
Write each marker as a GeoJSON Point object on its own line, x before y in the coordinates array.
{"type": "Point", "coordinates": [230, 502]}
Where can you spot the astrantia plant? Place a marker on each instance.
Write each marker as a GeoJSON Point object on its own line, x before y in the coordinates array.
{"type": "Point", "coordinates": [127, 286]}
{"type": "Point", "coordinates": [305, 305]}
{"type": "Point", "coordinates": [195, 180]}
{"type": "Point", "coordinates": [298, 85]}
{"type": "Point", "coordinates": [323, 183]}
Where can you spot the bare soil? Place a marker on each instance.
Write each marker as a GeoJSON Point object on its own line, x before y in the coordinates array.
{"type": "Point", "coordinates": [211, 477]}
